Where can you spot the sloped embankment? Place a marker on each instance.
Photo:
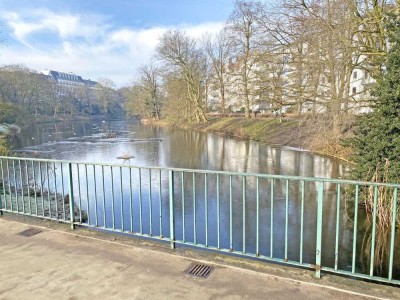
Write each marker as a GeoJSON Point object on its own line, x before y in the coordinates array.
{"type": "Point", "coordinates": [267, 130]}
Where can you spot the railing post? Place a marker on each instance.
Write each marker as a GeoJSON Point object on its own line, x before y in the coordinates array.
{"type": "Point", "coordinates": [2, 189]}
{"type": "Point", "coordinates": [71, 197]}
{"type": "Point", "coordinates": [320, 200]}
{"type": "Point", "coordinates": [171, 209]}
{"type": "Point", "coordinates": [1, 203]}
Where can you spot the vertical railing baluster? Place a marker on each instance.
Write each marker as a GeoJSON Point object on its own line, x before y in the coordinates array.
{"type": "Point", "coordinates": [22, 185]}
{"type": "Point", "coordinates": [353, 260]}
{"type": "Point", "coordinates": [62, 189]}
{"type": "Point", "coordinates": [206, 206]}
{"type": "Point", "coordinates": [104, 198]}
{"type": "Point", "coordinates": [171, 208]}
{"type": "Point", "coordinates": [230, 214]}
{"type": "Point", "coordinates": [112, 199]}
{"type": "Point", "coordinates": [79, 193]}
{"type": "Point", "coordinates": [41, 188]}
{"type": "Point", "coordinates": [122, 199]}
{"type": "Point", "coordinates": [140, 202]}
{"type": "Point", "coordinates": [103, 186]}
{"type": "Point", "coordinates": [160, 201]}
{"type": "Point", "coordinates": [15, 186]}
{"type": "Point", "coordinates": [55, 190]}
{"type": "Point", "coordinates": [34, 187]}
{"type": "Point", "coordinates": [3, 184]}
{"type": "Point", "coordinates": [150, 205]}
{"type": "Point", "coordinates": [87, 195]}
{"type": "Point", "coordinates": [130, 199]}
{"type": "Point", "coordinates": [318, 250]}
{"type": "Point", "coordinates": [9, 185]}
{"type": "Point", "coordinates": [257, 216]}
{"type": "Point", "coordinates": [271, 250]}
{"type": "Point", "coordinates": [392, 234]}
{"type": "Point", "coordinates": [96, 216]}
{"type": "Point", "coordinates": [371, 269]}
{"type": "Point", "coordinates": [183, 205]}
{"type": "Point", "coordinates": [286, 218]}
{"type": "Point", "coordinates": [337, 226]}
{"type": "Point", "coordinates": [302, 221]}
{"type": "Point", "coordinates": [194, 209]}
{"type": "Point", "coordinates": [218, 214]}
{"type": "Point", "coordinates": [244, 213]}
{"type": "Point", "coordinates": [3, 187]}
{"type": "Point", "coordinates": [48, 188]}
{"type": "Point", "coordinates": [28, 186]}
{"type": "Point", "coordinates": [71, 196]}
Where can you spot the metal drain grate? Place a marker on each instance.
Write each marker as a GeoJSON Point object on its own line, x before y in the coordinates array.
{"type": "Point", "coordinates": [199, 270]}
{"type": "Point", "coordinates": [30, 232]}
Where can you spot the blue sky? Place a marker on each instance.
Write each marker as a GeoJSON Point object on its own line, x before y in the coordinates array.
{"type": "Point", "coordinates": [99, 38]}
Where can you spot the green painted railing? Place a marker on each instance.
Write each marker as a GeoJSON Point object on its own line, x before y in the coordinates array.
{"type": "Point", "coordinates": [309, 222]}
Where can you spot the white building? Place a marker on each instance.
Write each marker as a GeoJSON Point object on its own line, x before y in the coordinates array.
{"type": "Point", "coordinates": [278, 84]}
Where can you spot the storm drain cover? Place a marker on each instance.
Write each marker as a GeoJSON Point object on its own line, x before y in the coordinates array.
{"type": "Point", "coordinates": [199, 270]}
{"type": "Point", "coordinates": [30, 232]}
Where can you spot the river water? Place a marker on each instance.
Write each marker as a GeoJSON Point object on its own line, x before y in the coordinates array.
{"type": "Point", "coordinates": [149, 145]}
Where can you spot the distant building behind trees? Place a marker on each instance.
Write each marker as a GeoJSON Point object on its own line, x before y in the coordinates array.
{"type": "Point", "coordinates": [56, 93]}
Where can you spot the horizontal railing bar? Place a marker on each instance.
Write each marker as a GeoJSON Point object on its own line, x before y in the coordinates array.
{"type": "Point", "coordinates": [135, 233]}
{"type": "Point", "coordinates": [248, 254]}
{"type": "Point", "coordinates": [34, 215]}
{"type": "Point", "coordinates": [200, 171]}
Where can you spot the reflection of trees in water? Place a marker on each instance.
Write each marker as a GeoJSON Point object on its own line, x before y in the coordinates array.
{"type": "Point", "coordinates": [189, 150]}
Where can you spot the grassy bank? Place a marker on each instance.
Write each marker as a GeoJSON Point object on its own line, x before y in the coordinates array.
{"type": "Point", "coordinates": [291, 131]}
{"type": "Point", "coordinates": [266, 130]}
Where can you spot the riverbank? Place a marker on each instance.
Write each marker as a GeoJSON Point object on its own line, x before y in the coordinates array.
{"type": "Point", "coordinates": [290, 131]}
{"type": "Point", "coordinates": [8, 131]}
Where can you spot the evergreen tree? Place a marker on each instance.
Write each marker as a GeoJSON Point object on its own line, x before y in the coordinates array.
{"type": "Point", "coordinates": [376, 143]}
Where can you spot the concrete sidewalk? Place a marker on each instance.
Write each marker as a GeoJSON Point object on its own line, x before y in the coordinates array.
{"type": "Point", "coordinates": [72, 265]}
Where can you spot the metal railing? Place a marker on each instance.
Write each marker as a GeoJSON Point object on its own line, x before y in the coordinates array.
{"type": "Point", "coordinates": [310, 222]}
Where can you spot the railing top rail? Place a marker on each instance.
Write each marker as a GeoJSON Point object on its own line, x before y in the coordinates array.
{"type": "Point", "coordinates": [201, 171]}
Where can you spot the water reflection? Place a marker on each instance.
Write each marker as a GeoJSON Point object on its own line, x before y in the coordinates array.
{"type": "Point", "coordinates": [172, 147]}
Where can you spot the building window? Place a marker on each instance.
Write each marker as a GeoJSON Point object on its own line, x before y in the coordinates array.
{"type": "Point", "coordinates": [355, 75]}
{"type": "Point", "coordinates": [354, 91]}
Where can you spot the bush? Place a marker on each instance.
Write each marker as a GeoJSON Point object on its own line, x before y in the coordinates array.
{"type": "Point", "coordinates": [9, 113]}
{"type": "Point", "coordinates": [4, 148]}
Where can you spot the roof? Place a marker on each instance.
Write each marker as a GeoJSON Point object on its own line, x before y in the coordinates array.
{"type": "Point", "coordinates": [61, 76]}
{"type": "Point", "coordinates": [90, 83]}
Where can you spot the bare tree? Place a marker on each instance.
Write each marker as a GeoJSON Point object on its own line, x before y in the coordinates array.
{"type": "Point", "coordinates": [243, 31]}
{"type": "Point", "coordinates": [218, 51]}
{"type": "Point", "coordinates": [145, 95]}
{"type": "Point", "coordinates": [150, 83]}
{"type": "Point", "coordinates": [182, 55]}
{"type": "Point", "coordinates": [105, 93]}
{"type": "Point", "coordinates": [177, 105]}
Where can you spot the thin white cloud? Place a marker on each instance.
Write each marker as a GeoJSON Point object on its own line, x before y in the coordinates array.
{"type": "Point", "coordinates": [64, 25]}
{"type": "Point", "coordinates": [87, 45]}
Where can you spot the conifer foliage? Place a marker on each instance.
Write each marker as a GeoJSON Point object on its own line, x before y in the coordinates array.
{"type": "Point", "coordinates": [376, 143]}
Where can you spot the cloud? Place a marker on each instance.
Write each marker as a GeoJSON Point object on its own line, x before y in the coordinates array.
{"type": "Point", "coordinates": [63, 25]}
{"type": "Point", "coordinates": [89, 45]}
